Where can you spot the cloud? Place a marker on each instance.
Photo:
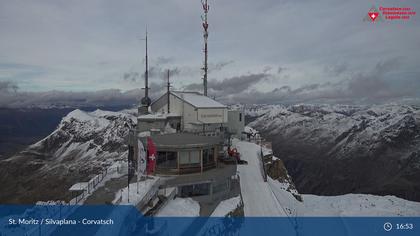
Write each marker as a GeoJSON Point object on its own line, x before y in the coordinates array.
{"type": "Point", "coordinates": [219, 66]}
{"type": "Point", "coordinates": [374, 86]}
{"type": "Point", "coordinates": [131, 76]}
{"type": "Point", "coordinates": [267, 69]}
{"type": "Point", "coordinates": [233, 85]}
{"type": "Point", "coordinates": [109, 97]}
{"type": "Point", "coordinates": [280, 69]}
{"type": "Point", "coordinates": [336, 69]}
{"type": "Point", "coordinates": [96, 46]}
{"type": "Point", "coordinates": [8, 87]}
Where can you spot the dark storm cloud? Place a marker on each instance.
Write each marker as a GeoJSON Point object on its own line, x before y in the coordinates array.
{"type": "Point", "coordinates": [379, 82]}
{"type": "Point", "coordinates": [374, 86]}
{"type": "Point", "coordinates": [158, 70]}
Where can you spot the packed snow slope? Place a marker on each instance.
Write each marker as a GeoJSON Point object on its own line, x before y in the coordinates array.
{"type": "Point", "coordinates": [83, 144]}
{"type": "Point", "coordinates": [338, 149]}
{"type": "Point", "coordinates": [258, 198]}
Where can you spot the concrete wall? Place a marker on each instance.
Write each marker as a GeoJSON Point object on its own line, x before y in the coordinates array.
{"type": "Point", "coordinates": [148, 125]}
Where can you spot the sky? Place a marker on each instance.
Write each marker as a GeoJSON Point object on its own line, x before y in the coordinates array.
{"type": "Point", "coordinates": [268, 51]}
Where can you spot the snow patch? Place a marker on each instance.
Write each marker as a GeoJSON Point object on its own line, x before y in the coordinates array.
{"type": "Point", "coordinates": [180, 207]}
{"type": "Point", "coordinates": [226, 206]}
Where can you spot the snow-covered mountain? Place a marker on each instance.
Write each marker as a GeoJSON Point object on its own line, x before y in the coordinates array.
{"type": "Point", "coordinates": [338, 149]}
{"type": "Point", "coordinates": [83, 144]}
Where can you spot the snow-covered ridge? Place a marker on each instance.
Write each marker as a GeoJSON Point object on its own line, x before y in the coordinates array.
{"type": "Point", "coordinates": [371, 149]}
{"type": "Point", "coordinates": [83, 144]}
{"type": "Point", "coordinates": [341, 126]}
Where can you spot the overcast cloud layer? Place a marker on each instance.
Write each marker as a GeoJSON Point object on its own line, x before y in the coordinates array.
{"type": "Point", "coordinates": [269, 51]}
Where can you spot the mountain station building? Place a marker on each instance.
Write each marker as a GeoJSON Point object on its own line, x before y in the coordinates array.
{"type": "Point", "coordinates": [188, 129]}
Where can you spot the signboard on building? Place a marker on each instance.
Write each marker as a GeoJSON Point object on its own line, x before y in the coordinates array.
{"type": "Point", "coordinates": [212, 115]}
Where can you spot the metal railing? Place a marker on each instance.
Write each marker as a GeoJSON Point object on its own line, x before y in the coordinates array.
{"type": "Point", "coordinates": [262, 166]}
{"type": "Point", "coordinates": [59, 212]}
{"type": "Point", "coordinates": [92, 185]}
{"type": "Point", "coordinates": [150, 194]}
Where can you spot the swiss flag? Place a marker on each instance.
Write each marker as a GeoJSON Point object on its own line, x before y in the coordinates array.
{"type": "Point", "coordinates": [151, 157]}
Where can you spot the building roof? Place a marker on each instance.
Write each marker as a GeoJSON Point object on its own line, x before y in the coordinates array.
{"type": "Point", "coordinates": [184, 140]}
{"type": "Point", "coordinates": [198, 100]}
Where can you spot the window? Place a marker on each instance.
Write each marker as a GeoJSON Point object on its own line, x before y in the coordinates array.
{"type": "Point", "coordinates": [189, 157]}
{"type": "Point", "coordinates": [184, 157]}
{"type": "Point", "coordinates": [194, 157]}
{"type": "Point", "coordinates": [166, 160]}
{"type": "Point", "coordinates": [194, 190]}
{"type": "Point", "coordinates": [208, 156]}
{"type": "Point", "coordinates": [240, 117]}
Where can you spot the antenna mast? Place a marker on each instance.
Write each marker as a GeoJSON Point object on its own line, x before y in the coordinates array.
{"type": "Point", "coordinates": [146, 101]}
{"type": "Point", "coordinates": [146, 73]}
{"type": "Point", "coordinates": [168, 92]}
{"type": "Point", "coordinates": [205, 35]}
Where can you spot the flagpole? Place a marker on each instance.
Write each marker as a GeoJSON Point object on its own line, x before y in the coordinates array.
{"type": "Point", "coordinates": [138, 166]}
{"type": "Point", "coordinates": [128, 179]}
{"type": "Point", "coordinates": [147, 156]}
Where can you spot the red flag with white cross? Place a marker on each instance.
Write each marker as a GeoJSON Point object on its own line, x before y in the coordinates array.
{"type": "Point", "coordinates": [151, 157]}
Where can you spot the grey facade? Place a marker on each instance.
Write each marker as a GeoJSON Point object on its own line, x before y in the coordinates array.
{"type": "Point", "coordinates": [236, 123]}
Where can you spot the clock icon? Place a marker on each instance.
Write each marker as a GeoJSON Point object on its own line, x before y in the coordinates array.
{"type": "Point", "coordinates": [387, 226]}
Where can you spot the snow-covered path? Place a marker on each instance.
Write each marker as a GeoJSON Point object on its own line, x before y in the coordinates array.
{"type": "Point", "coordinates": [258, 197]}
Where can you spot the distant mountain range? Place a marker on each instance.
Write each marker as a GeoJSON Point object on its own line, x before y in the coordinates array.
{"type": "Point", "coordinates": [328, 150]}
{"type": "Point", "coordinates": [337, 149]}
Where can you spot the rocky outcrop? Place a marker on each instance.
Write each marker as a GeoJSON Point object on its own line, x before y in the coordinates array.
{"type": "Point", "coordinates": [277, 171]}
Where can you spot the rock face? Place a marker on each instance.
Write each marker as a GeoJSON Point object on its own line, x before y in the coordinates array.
{"type": "Point", "coordinates": [333, 150]}
{"type": "Point", "coordinates": [83, 144]}
{"type": "Point", "coordinates": [277, 171]}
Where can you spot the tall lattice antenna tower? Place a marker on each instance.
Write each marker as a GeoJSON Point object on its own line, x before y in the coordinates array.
{"type": "Point", "coordinates": [205, 35]}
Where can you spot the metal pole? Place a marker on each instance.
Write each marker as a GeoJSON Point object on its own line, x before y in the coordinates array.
{"type": "Point", "coordinates": [138, 166]}
{"type": "Point", "coordinates": [147, 157]}
{"type": "Point", "coordinates": [128, 180]}
{"type": "Point", "coordinates": [146, 74]}
{"type": "Point", "coordinates": [205, 35]}
{"type": "Point", "coordinates": [169, 85]}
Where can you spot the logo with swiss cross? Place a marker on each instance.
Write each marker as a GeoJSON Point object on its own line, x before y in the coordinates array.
{"type": "Point", "coordinates": [373, 15]}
